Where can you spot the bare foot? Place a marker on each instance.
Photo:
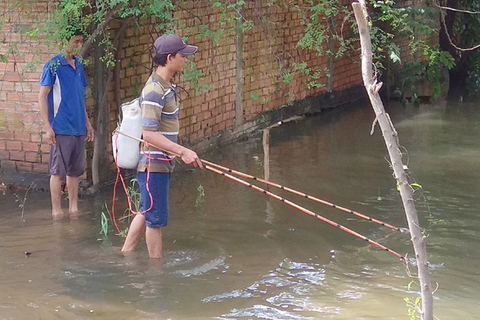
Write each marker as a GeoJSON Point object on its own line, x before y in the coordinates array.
{"type": "Point", "coordinates": [57, 215]}
{"type": "Point", "coordinates": [74, 215]}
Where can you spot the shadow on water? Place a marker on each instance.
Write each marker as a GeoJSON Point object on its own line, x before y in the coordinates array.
{"type": "Point", "coordinates": [242, 255]}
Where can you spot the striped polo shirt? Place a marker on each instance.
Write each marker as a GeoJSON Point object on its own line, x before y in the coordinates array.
{"type": "Point", "coordinates": [160, 107]}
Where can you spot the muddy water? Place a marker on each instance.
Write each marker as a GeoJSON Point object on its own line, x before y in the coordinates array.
{"type": "Point", "coordinates": [237, 254]}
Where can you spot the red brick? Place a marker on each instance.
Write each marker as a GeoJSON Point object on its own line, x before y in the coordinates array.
{"type": "Point", "coordinates": [17, 155]}
{"type": "Point", "coordinates": [45, 148]}
{"type": "Point", "coordinates": [24, 166]}
{"type": "Point", "coordinates": [6, 135]}
{"type": "Point", "coordinates": [35, 137]}
{"type": "Point", "coordinates": [23, 107]}
{"type": "Point", "coordinates": [13, 145]}
{"type": "Point", "coordinates": [31, 117]}
{"type": "Point", "coordinates": [30, 97]}
{"type": "Point", "coordinates": [13, 77]}
{"type": "Point", "coordinates": [30, 147]}
{"type": "Point", "coordinates": [14, 96]}
{"type": "Point", "coordinates": [7, 86]}
{"type": "Point", "coordinates": [40, 167]}
{"type": "Point", "coordinates": [32, 157]}
{"type": "Point", "coordinates": [9, 163]}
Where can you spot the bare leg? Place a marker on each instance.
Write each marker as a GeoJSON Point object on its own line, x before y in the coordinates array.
{"type": "Point", "coordinates": [56, 196]}
{"type": "Point", "coordinates": [153, 237]}
{"type": "Point", "coordinates": [135, 233]}
{"type": "Point", "coordinates": [72, 186]}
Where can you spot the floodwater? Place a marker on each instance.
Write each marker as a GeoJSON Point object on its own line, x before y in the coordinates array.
{"type": "Point", "coordinates": [234, 253]}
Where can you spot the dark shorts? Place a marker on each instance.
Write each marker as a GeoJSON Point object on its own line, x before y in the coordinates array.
{"type": "Point", "coordinates": [67, 156]}
{"type": "Point", "coordinates": [158, 185]}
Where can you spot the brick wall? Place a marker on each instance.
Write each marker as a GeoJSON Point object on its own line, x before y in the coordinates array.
{"type": "Point", "coordinates": [20, 126]}
{"type": "Point", "coordinates": [268, 49]}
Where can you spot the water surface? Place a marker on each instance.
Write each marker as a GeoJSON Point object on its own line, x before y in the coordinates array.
{"type": "Point", "coordinates": [237, 254]}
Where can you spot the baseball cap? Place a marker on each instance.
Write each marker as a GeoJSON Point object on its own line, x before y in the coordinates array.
{"type": "Point", "coordinates": [170, 43]}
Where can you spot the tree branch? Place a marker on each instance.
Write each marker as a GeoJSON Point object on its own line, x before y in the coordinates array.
{"type": "Point", "coordinates": [456, 10]}
{"type": "Point", "coordinates": [100, 28]}
{"type": "Point", "coordinates": [442, 18]}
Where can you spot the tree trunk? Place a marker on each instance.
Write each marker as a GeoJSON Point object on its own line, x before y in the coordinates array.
{"type": "Point", "coordinates": [391, 140]}
{"type": "Point", "coordinates": [102, 83]}
{"type": "Point", "coordinates": [239, 72]}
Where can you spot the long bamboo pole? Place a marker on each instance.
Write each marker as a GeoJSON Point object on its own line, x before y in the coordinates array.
{"type": "Point", "coordinates": [288, 202]}
{"type": "Point", "coordinates": [307, 196]}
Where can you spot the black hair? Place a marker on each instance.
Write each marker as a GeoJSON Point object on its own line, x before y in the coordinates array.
{"type": "Point", "coordinates": [161, 59]}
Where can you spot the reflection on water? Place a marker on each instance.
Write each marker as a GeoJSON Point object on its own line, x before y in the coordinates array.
{"type": "Point", "coordinates": [242, 255]}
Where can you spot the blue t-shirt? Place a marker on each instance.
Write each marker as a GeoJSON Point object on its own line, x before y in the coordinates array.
{"type": "Point", "coordinates": [66, 100]}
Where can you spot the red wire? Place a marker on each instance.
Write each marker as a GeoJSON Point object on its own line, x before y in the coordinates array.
{"type": "Point", "coordinates": [119, 176]}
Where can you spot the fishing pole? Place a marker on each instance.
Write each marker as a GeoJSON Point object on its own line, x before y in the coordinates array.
{"type": "Point", "coordinates": [306, 211]}
{"type": "Point", "coordinates": [291, 204]}
{"type": "Point", "coordinates": [307, 196]}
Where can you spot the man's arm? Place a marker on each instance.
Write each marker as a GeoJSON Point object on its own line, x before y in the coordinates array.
{"type": "Point", "coordinates": [188, 156]}
{"type": "Point", "coordinates": [43, 109]}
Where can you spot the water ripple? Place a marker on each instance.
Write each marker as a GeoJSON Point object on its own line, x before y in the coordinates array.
{"type": "Point", "coordinates": [264, 312]}
{"type": "Point", "coordinates": [295, 279]}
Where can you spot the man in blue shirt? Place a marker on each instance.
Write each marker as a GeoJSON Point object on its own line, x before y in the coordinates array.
{"type": "Point", "coordinates": [66, 125]}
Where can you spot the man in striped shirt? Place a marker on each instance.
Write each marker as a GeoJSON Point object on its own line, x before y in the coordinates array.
{"type": "Point", "coordinates": [160, 108]}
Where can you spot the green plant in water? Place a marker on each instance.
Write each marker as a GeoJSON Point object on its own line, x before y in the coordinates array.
{"type": "Point", "coordinates": [23, 201]}
{"type": "Point", "coordinates": [413, 306]}
{"type": "Point", "coordinates": [104, 220]}
{"type": "Point", "coordinates": [200, 197]}
{"type": "Point", "coordinates": [133, 194]}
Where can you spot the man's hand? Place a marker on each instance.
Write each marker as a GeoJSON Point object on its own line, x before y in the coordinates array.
{"type": "Point", "coordinates": [50, 136]}
{"type": "Point", "coordinates": [190, 158]}
{"type": "Point", "coordinates": [90, 132]}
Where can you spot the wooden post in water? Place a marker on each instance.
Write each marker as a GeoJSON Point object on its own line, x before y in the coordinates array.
{"type": "Point", "coordinates": [391, 140]}
{"type": "Point", "coordinates": [266, 155]}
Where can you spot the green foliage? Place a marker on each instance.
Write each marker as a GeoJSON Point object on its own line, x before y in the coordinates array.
{"type": "Point", "coordinates": [104, 220]}
{"type": "Point", "coordinates": [106, 223]}
{"type": "Point", "coordinates": [205, 32]}
{"type": "Point", "coordinates": [473, 79]}
{"type": "Point", "coordinates": [391, 22]}
{"type": "Point", "coordinates": [231, 15]}
{"type": "Point", "coordinates": [133, 193]}
{"type": "Point", "coordinates": [438, 61]}
{"type": "Point", "coordinates": [465, 26]}
{"type": "Point", "coordinates": [23, 200]}
{"type": "Point", "coordinates": [314, 76]}
{"type": "Point", "coordinates": [413, 307]}
{"type": "Point", "coordinates": [318, 23]}
{"type": "Point", "coordinates": [320, 36]}
{"type": "Point", "coordinates": [200, 200]}
{"type": "Point", "coordinates": [193, 75]}
{"type": "Point", "coordinates": [92, 19]}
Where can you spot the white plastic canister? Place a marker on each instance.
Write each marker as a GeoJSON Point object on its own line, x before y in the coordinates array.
{"type": "Point", "coordinates": [126, 151]}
